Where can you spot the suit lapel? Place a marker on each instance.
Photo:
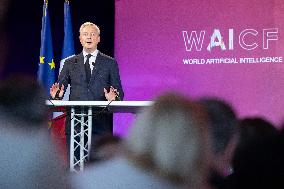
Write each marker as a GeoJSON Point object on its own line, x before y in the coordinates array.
{"type": "Point", "coordinates": [81, 59]}
{"type": "Point", "coordinates": [80, 68]}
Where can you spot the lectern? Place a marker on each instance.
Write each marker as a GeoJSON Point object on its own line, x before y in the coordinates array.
{"type": "Point", "coordinates": [81, 127]}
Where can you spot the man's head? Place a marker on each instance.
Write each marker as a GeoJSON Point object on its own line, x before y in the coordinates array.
{"type": "Point", "coordinates": [22, 103]}
{"type": "Point", "coordinates": [105, 147]}
{"type": "Point", "coordinates": [173, 135]}
{"type": "Point", "coordinates": [89, 36]}
{"type": "Point", "coordinates": [223, 129]}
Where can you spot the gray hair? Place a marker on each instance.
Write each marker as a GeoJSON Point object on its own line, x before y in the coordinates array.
{"type": "Point", "coordinates": [30, 161]}
{"type": "Point", "coordinates": [90, 24]}
{"type": "Point", "coordinates": [174, 136]}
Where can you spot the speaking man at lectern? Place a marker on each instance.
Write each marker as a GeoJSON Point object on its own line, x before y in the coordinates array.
{"type": "Point", "coordinates": [93, 76]}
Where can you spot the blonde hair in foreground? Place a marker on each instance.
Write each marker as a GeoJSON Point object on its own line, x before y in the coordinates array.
{"type": "Point", "coordinates": [172, 138]}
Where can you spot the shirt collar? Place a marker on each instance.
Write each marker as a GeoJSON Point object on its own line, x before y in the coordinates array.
{"type": "Point", "coordinates": [94, 54]}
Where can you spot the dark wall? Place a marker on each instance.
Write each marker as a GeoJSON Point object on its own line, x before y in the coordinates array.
{"type": "Point", "coordinates": [24, 30]}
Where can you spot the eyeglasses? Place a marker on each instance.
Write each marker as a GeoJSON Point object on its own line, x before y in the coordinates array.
{"type": "Point", "coordinates": [85, 34]}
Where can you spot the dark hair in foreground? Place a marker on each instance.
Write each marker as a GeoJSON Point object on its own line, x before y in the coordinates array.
{"type": "Point", "coordinates": [222, 122]}
{"type": "Point", "coordinates": [22, 99]}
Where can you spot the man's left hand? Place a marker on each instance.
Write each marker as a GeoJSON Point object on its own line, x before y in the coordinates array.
{"type": "Point", "coordinates": [111, 95]}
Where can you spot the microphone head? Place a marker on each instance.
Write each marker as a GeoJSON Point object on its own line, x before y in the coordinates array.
{"type": "Point", "coordinates": [93, 65]}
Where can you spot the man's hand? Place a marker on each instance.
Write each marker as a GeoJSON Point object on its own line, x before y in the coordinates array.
{"type": "Point", "coordinates": [54, 89]}
{"type": "Point", "coordinates": [111, 95]}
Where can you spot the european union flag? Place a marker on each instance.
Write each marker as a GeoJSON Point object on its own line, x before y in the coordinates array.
{"type": "Point", "coordinates": [46, 71]}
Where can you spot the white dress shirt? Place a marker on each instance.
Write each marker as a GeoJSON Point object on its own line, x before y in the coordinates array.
{"type": "Point", "coordinates": [92, 59]}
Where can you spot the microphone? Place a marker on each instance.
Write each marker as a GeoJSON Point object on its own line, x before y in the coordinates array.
{"type": "Point", "coordinates": [57, 95]}
{"type": "Point", "coordinates": [94, 67]}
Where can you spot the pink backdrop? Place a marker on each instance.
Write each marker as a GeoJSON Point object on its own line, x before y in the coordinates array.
{"type": "Point", "coordinates": [163, 45]}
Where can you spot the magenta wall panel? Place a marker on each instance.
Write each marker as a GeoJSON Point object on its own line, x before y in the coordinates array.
{"type": "Point", "coordinates": [225, 48]}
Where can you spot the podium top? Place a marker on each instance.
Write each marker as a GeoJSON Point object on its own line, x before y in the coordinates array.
{"type": "Point", "coordinates": [114, 106]}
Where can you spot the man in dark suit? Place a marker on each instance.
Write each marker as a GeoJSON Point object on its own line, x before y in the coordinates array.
{"type": "Point", "coordinates": [93, 76]}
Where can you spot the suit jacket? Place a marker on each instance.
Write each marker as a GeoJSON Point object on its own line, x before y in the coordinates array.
{"type": "Point", "coordinates": [105, 74]}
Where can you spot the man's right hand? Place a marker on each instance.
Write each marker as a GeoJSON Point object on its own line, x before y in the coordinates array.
{"type": "Point", "coordinates": [54, 89]}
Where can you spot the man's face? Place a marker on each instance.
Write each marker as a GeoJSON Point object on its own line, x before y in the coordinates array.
{"type": "Point", "coordinates": [89, 38]}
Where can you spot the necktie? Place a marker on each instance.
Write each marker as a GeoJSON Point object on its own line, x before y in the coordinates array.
{"type": "Point", "coordinates": [87, 68]}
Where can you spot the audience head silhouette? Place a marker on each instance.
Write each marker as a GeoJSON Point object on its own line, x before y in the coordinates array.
{"type": "Point", "coordinates": [171, 139]}
{"type": "Point", "coordinates": [28, 157]}
{"type": "Point", "coordinates": [22, 102]}
{"type": "Point", "coordinates": [224, 133]}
